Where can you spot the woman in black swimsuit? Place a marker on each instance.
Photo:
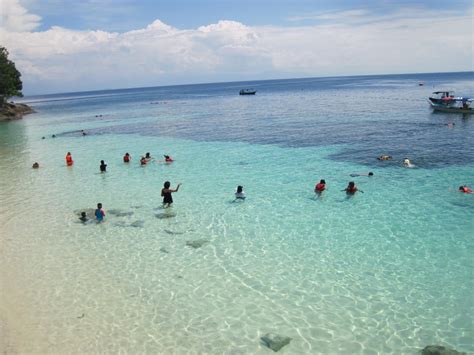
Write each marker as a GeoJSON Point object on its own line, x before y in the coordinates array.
{"type": "Point", "coordinates": [166, 193]}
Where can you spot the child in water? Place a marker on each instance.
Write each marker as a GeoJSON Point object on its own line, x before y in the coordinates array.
{"type": "Point", "coordinates": [351, 188]}
{"type": "Point", "coordinates": [143, 161]}
{"type": "Point", "coordinates": [166, 193]}
{"type": "Point", "coordinates": [239, 193]}
{"type": "Point", "coordinates": [168, 159]}
{"type": "Point", "coordinates": [83, 218]}
{"type": "Point", "coordinates": [99, 213]}
{"type": "Point", "coordinates": [126, 158]}
{"type": "Point", "coordinates": [69, 160]}
{"type": "Point", "coordinates": [320, 187]}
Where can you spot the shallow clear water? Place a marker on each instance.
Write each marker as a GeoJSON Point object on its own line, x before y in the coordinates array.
{"type": "Point", "coordinates": [386, 271]}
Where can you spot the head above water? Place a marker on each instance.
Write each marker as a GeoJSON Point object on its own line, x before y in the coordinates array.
{"type": "Point", "coordinates": [371, 173]}
{"type": "Point", "coordinates": [99, 206]}
{"type": "Point", "coordinates": [461, 188]}
{"type": "Point", "coordinates": [83, 214]}
{"type": "Point", "coordinates": [35, 165]}
{"type": "Point", "coordinates": [351, 184]}
{"type": "Point", "coordinates": [167, 185]}
{"type": "Point", "coordinates": [323, 181]}
{"type": "Point", "coordinates": [147, 155]}
{"type": "Point", "coordinates": [240, 189]}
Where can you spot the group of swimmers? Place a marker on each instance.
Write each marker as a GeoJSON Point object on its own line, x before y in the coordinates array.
{"type": "Point", "coordinates": [351, 188]}
{"type": "Point", "coordinates": [406, 161]}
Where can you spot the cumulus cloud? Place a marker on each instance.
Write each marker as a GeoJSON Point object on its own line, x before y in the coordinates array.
{"type": "Point", "coordinates": [15, 18]}
{"type": "Point", "coordinates": [60, 59]}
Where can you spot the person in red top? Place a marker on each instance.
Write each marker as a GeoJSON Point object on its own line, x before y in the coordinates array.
{"type": "Point", "coordinates": [351, 188]}
{"type": "Point", "coordinates": [69, 160]}
{"type": "Point", "coordinates": [168, 159]}
{"type": "Point", "coordinates": [466, 190]}
{"type": "Point", "coordinates": [126, 158]}
{"type": "Point", "coordinates": [320, 187]}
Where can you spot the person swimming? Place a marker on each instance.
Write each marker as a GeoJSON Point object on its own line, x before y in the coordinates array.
{"type": "Point", "coordinates": [239, 193]}
{"type": "Point", "coordinates": [99, 213]}
{"type": "Point", "coordinates": [465, 189]}
{"type": "Point", "coordinates": [320, 187]}
{"type": "Point", "coordinates": [362, 174]}
{"type": "Point", "coordinates": [35, 165]}
{"type": "Point", "coordinates": [126, 158]}
{"type": "Point", "coordinates": [166, 193]}
{"type": "Point", "coordinates": [168, 159]}
{"type": "Point", "coordinates": [407, 163]}
{"type": "Point", "coordinates": [103, 167]}
{"type": "Point", "coordinates": [351, 188]}
{"type": "Point", "coordinates": [147, 156]}
{"type": "Point", "coordinates": [143, 161]}
{"type": "Point", "coordinates": [385, 157]}
{"type": "Point", "coordinates": [69, 160]}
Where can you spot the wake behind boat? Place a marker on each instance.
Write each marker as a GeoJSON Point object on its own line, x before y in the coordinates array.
{"type": "Point", "coordinates": [445, 101]}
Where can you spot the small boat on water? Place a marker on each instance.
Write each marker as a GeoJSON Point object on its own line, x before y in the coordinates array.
{"type": "Point", "coordinates": [445, 101]}
{"type": "Point", "coordinates": [247, 92]}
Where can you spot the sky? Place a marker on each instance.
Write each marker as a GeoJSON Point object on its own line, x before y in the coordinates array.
{"type": "Point", "coordinates": [71, 45]}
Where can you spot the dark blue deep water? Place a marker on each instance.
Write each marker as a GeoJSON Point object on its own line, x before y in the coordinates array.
{"type": "Point", "coordinates": [366, 115]}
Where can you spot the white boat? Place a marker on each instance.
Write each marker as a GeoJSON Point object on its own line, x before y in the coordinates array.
{"type": "Point", "coordinates": [445, 101]}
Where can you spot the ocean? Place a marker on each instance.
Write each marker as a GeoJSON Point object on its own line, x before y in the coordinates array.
{"type": "Point", "coordinates": [386, 271]}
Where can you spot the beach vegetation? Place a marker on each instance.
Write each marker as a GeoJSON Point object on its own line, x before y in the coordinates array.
{"type": "Point", "coordinates": [10, 78]}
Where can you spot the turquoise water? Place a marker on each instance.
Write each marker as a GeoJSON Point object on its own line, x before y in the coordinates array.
{"type": "Point", "coordinates": [385, 271]}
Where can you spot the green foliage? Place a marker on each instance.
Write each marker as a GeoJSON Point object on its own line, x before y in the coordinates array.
{"type": "Point", "coordinates": [10, 82]}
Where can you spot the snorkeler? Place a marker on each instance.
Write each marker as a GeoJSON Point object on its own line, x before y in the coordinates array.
{"type": "Point", "coordinates": [166, 193]}
{"type": "Point", "coordinates": [103, 167]}
{"type": "Point", "coordinates": [35, 166]}
{"type": "Point", "coordinates": [239, 193]}
{"type": "Point", "coordinates": [362, 174]}
{"type": "Point", "coordinates": [69, 160]}
{"type": "Point", "coordinates": [99, 213]}
{"type": "Point", "coordinates": [320, 187]}
{"type": "Point", "coordinates": [351, 188]}
{"type": "Point", "coordinates": [465, 189]}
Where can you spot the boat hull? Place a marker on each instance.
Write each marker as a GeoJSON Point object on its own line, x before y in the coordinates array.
{"type": "Point", "coordinates": [453, 109]}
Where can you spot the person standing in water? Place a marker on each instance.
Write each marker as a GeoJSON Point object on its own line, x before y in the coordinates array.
{"type": "Point", "coordinates": [69, 160]}
{"type": "Point", "coordinates": [99, 213]}
{"type": "Point", "coordinates": [351, 188]}
{"type": "Point", "coordinates": [166, 193]}
{"type": "Point", "coordinates": [103, 167]}
{"type": "Point", "coordinates": [126, 158]}
{"type": "Point", "coordinates": [320, 187]}
{"type": "Point", "coordinates": [239, 193]}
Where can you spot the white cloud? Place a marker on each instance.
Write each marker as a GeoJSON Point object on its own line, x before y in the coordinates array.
{"type": "Point", "coordinates": [15, 18]}
{"type": "Point", "coordinates": [65, 60]}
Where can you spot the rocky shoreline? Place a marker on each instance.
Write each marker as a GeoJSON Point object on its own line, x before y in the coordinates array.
{"type": "Point", "coordinates": [10, 111]}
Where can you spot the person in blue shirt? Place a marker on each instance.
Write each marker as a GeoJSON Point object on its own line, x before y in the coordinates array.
{"type": "Point", "coordinates": [99, 213]}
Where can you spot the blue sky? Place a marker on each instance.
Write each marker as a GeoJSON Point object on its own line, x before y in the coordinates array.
{"type": "Point", "coordinates": [126, 15]}
{"type": "Point", "coordinates": [65, 45]}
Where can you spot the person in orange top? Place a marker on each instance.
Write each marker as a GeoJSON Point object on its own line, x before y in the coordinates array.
{"type": "Point", "coordinates": [69, 160]}
{"type": "Point", "coordinates": [320, 187]}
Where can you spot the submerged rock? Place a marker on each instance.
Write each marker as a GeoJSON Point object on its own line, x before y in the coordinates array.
{"type": "Point", "coordinates": [275, 341]}
{"type": "Point", "coordinates": [440, 350]}
{"type": "Point", "coordinates": [172, 232]}
{"type": "Point", "coordinates": [165, 215]}
{"type": "Point", "coordinates": [137, 224]}
{"type": "Point", "coordinates": [196, 243]}
{"type": "Point", "coordinates": [164, 250]}
{"type": "Point", "coordinates": [120, 213]}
